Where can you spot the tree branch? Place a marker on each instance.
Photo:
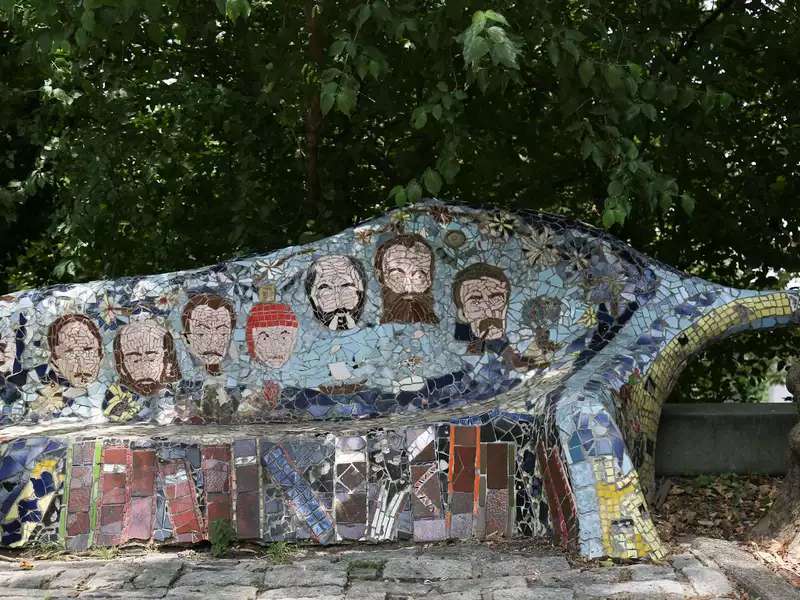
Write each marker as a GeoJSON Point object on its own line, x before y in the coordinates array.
{"type": "Point", "coordinates": [690, 41]}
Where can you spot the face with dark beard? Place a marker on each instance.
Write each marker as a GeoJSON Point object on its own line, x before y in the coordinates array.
{"type": "Point", "coordinates": [335, 287]}
{"type": "Point", "coordinates": [406, 275]}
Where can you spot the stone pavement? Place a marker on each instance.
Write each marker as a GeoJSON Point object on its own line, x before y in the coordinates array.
{"type": "Point", "coordinates": [460, 571]}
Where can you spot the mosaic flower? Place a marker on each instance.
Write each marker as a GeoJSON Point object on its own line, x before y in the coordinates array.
{"type": "Point", "coordinates": [498, 225]}
{"type": "Point", "coordinates": [119, 404]}
{"type": "Point", "coordinates": [110, 313]}
{"type": "Point", "coordinates": [441, 214]}
{"type": "Point", "coordinates": [576, 256]}
{"type": "Point", "coordinates": [49, 399]}
{"type": "Point", "coordinates": [269, 269]}
{"type": "Point", "coordinates": [364, 235]}
{"type": "Point", "coordinates": [539, 247]}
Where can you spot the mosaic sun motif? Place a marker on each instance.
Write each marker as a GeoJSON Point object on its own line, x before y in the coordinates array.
{"type": "Point", "coordinates": [440, 372]}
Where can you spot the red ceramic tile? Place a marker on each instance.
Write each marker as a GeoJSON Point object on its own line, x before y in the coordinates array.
{"type": "Point", "coordinates": [247, 526]}
{"type": "Point", "coordinates": [497, 466]}
{"type": "Point", "coordinates": [117, 455]}
{"type": "Point", "coordinates": [247, 478]}
{"type": "Point", "coordinates": [77, 523]}
{"type": "Point", "coordinates": [463, 469]}
{"type": "Point", "coordinates": [79, 499]}
{"type": "Point", "coordinates": [143, 473]}
{"type": "Point", "coordinates": [139, 520]}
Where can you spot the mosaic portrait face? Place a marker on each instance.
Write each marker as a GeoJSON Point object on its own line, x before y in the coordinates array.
{"type": "Point", "coordinates": [145, 356]}
{"type": "Point", "coordinates": [480, 293]}
{"type": "Point", "coordinates": [335, 286]}
{"type": "Point", "coordinates": [274, 345]}
{"type": "Point", "coordinates": [405, 272]}
{"type": "Point", "coordinates": [7, 351]}
{"type": "Point", "coordinates": [484, 304]}
{"type": "Point", "coordinates": [75, 349]}
{"type": "Point", "coordinates": [271, 334]}
{"type": "Point", "coordinates": [207, 328]}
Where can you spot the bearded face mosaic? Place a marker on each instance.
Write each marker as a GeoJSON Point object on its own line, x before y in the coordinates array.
{"type": "Point", "coordinates": [439, 372]}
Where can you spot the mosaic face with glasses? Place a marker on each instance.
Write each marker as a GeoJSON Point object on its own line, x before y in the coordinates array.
{"type": "Point", "coordinates": [76, 349]}
{"type": "Point", "coordinates": [480, 293]}
{"type": "Point", "coordinates": [335, 287]}
{"type": "Point", "coordinates": [405, 269]}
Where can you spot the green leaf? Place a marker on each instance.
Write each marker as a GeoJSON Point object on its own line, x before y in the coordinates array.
{"type": "Point", "coordinates": [725, 100]}
{"type": "Point", "coordinates": [442, 87]}
{"type": "Point", "coordinates": [346, 100]}
{"type": "Point", "coordinates": [633, 111]}
{"type": "Point", "coordinates": [648, 90]}
{"type": "Point", "coordinates": [586, 72]}
{"type": "Point", "coordinates": [616, 188]}
{"type": "Point", "coordinates": [553, 51]}
{"type": "Point", "coordinates": [237, 8]}
{"type": "Point", "coordinates": [327, 96]}
{"type": "Point", "coordinates": [414, 191]}
{"type": "Point", "coordinates": [598, 158]}
{"type": "Point", "coordinates": [87, 20]}
{"type": "Point", "coordinates": [419, 117]}
{"type": "Point", "coordinates": [396, 190]}
{"type": "Point", "coordinates": [587, 146]}
{"type": "Point", "coordinates": [432, 181]}
{"type": "Point", "coordinates": [436, 111]}
{"type": "Point", "coordinates": [668, 94]}
{"type": "Point", "coordinates": [649, 111]}
{"type": "Point", "coordinates": [475, 50]}
{"type": "Point", "coordinates": [374, 69]}
{"type": "Point", "coordinates": [495, 16]}
{"type": "Point", "coordinates": [613, 77]}
{"type": "Point", "coordinates": [609, 217]}
{"type": "Point", "coordinates": [154, 8]}
{"type": "Point", "coordinates": [686, 97]}
{"type": "Point", "coordinates": [363, 15]}
{"type": "Point", "coordinates": [687, 203]}
{"type": "Point", "coordinates": [478, 22]}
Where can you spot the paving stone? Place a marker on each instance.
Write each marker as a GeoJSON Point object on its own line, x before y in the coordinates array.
{"type": "Point", "coordinates": [483, 584]}
{"type": "Point", "coordinates": [327, 592]}
{"type": "Point", "coordinates": [219, 577]}
{"type": "Point", "coordinates": [644, 572]}
{"type": "Point", "coordinates": [372, 589]}
{"type": "Point", "coordinates": [300, 575]}
{"type": "Point", "coordinates": [744, 570]}
{"type": "Point", "coordinates": [157, 574]}
{"type": "Point", "coordinates": [462, 595]}
{"type": "Point", "coordinates": [34, 579]}
{"type": "Point", "coordinates": [72, 577]}
{"type": "Point", "coordinates": [112, 575]}
{"type": "Point", "coordinates": [536, 593]}
{"type": "Point", "coordinates": [679, 561]}
{"type": "Point", "coordinates": [524, 566]}
{"type": "Point", "coordinates": [577, 577]}
{"type": "Point", "coordinates": [143, 594]}
{"type": "Point", "coordinates": [422, 568]}
{"type": "Point", "coordinates": [637, 590]}
{"type": "Point", "coordinates": [233, 592]}
{"type": "Point", "coordinates": [708, 582]}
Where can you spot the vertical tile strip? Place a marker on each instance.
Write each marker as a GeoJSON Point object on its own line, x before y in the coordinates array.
{"type": "Point", "coordinates": [62, 523]}
{"type": "Point", "coordinates": [248, 497]}
{"type": "Point", "coordinates": [96, 465]}
{"type": "Point", "coordinates": [216, 483]}
{"type": "Point", "coordinates": [140, 513]}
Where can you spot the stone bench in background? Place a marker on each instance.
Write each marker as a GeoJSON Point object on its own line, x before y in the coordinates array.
{"type": "Point", "coordinates": [439, 372]}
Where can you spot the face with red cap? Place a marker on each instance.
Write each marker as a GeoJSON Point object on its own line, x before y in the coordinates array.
{"type": "Point", "coordinates": [271, 334]}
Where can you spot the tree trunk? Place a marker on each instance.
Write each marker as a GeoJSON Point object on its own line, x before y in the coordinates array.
{"type": "Point", "coordinates": [314, 112]}
{"type": "Point", "coordinates": [782, 522]}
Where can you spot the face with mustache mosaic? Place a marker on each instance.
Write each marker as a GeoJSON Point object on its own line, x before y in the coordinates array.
{"type": "Point", "coordinates": [76, 349]}
{"type": "Point", "coordinates": [335, 287]}
{"type": "Point", "coordinates": [208, 322]}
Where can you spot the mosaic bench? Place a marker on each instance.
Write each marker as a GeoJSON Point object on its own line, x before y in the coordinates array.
{"type": "Point", "coordinates": [439, 372]}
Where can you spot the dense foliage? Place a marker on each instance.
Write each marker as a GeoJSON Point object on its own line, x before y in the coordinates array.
{"type": "Point", "coordinates": [145, 136]}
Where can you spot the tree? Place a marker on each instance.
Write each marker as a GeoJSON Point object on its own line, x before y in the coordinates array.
{"type": "Point", "coordinates": [151, 136]}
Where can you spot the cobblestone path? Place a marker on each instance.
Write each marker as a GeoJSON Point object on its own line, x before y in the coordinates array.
{"type": "Point", "coordinates": [463, 571]}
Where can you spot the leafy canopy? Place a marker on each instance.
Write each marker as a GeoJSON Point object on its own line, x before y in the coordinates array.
{"type": "Point", "coordinates": [146, 136]}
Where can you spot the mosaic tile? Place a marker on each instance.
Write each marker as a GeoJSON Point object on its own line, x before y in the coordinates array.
{"type": "Point", "coordinates": [437, 372]}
